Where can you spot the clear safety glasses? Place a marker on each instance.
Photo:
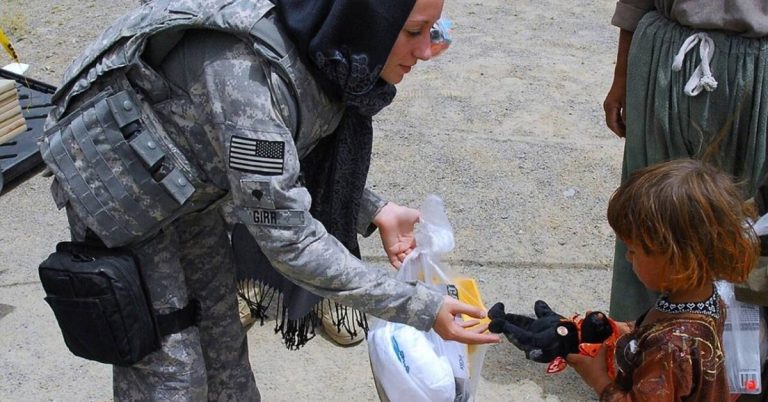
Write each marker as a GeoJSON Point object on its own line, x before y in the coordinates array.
{"type": "Point", "coordinates": [440, 35]}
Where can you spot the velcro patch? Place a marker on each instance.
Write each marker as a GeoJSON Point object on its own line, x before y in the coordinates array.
{"type": "Point", "coordinates": [266, 158]}
{"type": "Point", "coordinates": [257, 194]}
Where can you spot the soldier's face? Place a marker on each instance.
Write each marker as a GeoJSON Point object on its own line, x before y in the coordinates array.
{"type": "Point", "coordinates": [413, 43]}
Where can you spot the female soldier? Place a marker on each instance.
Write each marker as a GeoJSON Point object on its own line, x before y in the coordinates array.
{"type": "Point", "coordinates": [271, 103]}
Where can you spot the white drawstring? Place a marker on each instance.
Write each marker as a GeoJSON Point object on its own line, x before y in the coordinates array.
{"type": "Point", "coordinates": [702, 77]}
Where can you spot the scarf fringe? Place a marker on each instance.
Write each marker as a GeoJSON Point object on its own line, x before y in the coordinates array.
{"type": "Point", "coordinates": [257, 296]}
{"type": "Point", "coordinates": [296, 333]}
{"type": "Point", "coordinates": [349, 319]}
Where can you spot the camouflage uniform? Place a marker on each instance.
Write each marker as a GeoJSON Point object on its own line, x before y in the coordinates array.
{"type": "Point", "coordinates": [209, 361]}
{"type": "Point", "coordinates": [243, 109]}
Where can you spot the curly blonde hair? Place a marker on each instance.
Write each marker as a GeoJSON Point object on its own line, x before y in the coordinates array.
{"type": "Point", "coordinates": [692, 214]}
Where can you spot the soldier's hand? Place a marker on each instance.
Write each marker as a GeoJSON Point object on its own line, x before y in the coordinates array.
{"type": "Point", "coordinates": [451, 330]}
{"type": "Point", "coordinates": [395, 225]}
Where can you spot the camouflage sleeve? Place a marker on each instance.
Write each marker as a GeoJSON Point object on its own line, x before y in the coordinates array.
{"type": "Point", "coordinates": [370, 205]}
{"type": "Point", "coordinates": [263, 170]}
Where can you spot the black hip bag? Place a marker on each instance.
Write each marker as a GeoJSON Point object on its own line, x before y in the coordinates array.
{"type": "Point", "coordinates": [101, 304]}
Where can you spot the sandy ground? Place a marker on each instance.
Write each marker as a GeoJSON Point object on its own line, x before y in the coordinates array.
{"type": "Point", "coordinates": [506, 127]}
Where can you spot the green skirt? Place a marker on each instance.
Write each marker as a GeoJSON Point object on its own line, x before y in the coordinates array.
{"type": "Point", "coordinates": [664, 123]}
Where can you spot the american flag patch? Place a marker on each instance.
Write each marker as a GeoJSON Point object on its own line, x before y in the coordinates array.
{"type": "Point", "coordinates": [256, 156]}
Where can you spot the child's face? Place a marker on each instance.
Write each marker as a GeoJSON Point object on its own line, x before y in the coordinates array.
{"type": "Point", "coordinates": [649, 268]}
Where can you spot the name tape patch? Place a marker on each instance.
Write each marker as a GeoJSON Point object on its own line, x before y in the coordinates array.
{"type": "Point", "coordinates": [273, 217]}
{"type": "Point", "coordinates": [266, 158]}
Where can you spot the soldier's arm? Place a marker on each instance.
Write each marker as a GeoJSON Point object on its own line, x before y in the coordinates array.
{"type": "Point", "coordinates": [370, 205]}
{"type": "Point", "coordinates": [263, 175]}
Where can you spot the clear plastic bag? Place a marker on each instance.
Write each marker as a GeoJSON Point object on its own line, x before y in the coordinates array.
{"type": "Point", "coordinates": [411, 365]}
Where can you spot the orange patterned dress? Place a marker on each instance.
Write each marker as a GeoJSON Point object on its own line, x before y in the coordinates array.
{"type": "Point", "coordinates": [672, 359]}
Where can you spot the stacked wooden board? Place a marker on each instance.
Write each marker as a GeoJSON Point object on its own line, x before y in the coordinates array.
{"type": "Point", "coordinates": [20, 155]}
{"type": "Point", "coordinates": [12, 121]}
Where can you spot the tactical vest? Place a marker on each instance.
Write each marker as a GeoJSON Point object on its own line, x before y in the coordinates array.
{"type": "Point", "coordinates": [114, 163]}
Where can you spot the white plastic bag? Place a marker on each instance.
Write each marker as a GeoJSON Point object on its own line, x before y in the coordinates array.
{"type": "Point", "coordinates": [743, 334]}
{"type": "Point", "coordinates": [761, 226]}
{"type": "Point", "coordinates": [411, 365]}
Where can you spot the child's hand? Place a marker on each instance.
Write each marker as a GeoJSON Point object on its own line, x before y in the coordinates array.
{"type": "Point", "coordinates": [593, 370]}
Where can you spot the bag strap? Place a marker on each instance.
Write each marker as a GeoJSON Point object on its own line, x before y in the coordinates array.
{"type": "Point", "coordinates": [92, 239]}
{"type": "Point", "coordinates": [179, 320]}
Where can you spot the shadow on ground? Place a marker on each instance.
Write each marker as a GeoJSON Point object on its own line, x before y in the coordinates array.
{"type": "Point", "coordinates": [506, 365]}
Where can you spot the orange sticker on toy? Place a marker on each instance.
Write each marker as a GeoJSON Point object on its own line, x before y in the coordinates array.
{"type": "Point", "coordinates": [557, 365]}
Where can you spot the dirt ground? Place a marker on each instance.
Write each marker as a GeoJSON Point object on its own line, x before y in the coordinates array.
{"type": "Point", "coordinates": [507, 127]}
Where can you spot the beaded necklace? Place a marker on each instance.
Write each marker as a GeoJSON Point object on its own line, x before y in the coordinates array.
{"type": "Point", "coordinates": [710, 307]}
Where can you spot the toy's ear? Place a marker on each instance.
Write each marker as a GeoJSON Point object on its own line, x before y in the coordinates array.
{"type": "Point", "coordinates": [497, 311]}
{"type": "Point", "coordinates": [596, 327]}
{"type": "Point", "coordinates": [542, 309]}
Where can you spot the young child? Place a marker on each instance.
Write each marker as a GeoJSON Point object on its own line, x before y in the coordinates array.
{"type": "Point", "coordinates": [683, 222]}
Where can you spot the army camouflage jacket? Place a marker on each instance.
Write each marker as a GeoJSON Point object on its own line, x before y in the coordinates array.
{"type": "Point", "coordinates": [230, 89]}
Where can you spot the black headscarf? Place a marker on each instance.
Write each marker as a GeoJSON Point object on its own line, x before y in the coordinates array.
{"type": "Point", "coordinates": [345, 44]}
{"type": "Point", "coordinates": [348, 41]}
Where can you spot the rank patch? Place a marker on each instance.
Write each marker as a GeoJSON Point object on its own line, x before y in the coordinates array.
{"type": "Point", "coordinates": [257, 194]}
{"type": "Point", "coordinates": [261, 157]}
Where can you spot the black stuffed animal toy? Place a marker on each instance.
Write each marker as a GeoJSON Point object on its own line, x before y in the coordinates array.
{"type": "Point", "coordinates": [550, 337]}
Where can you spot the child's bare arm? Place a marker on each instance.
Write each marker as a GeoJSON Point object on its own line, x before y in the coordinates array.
{"type": "Point", "coordinates": [593, 370]}
{"type": "Point", "coordinates": [625, 327]}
